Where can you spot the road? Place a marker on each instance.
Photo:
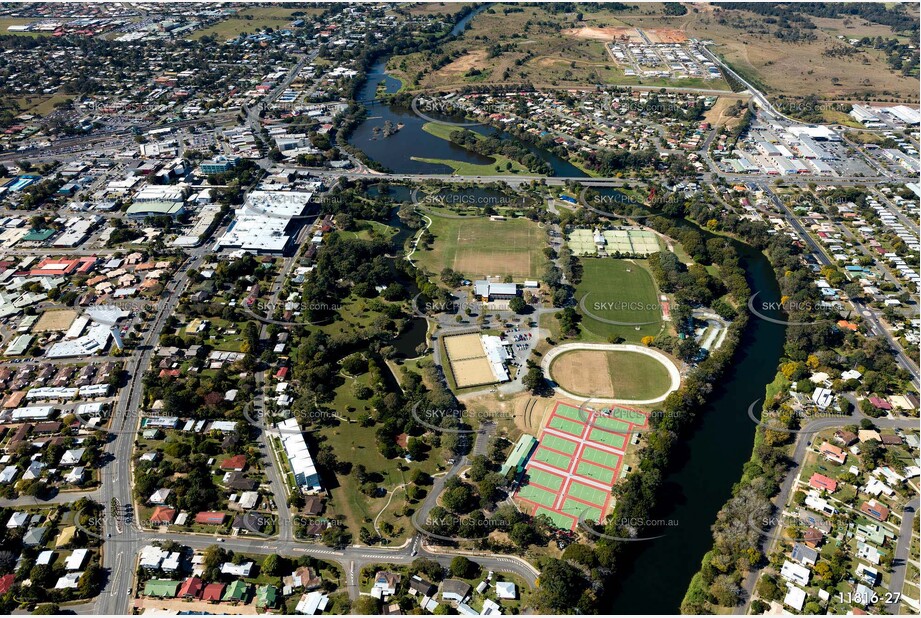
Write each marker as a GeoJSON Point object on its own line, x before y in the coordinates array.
{"type": "Point", "coordinates": [901, 555]}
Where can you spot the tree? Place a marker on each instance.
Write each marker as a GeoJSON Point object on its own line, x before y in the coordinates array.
{"type": "Point", "coordinates": [271, 565]}
{"type": "Point", "coordinates": [534, 380]}
{"type": "Point", "coordinates": [559, 588]}
{"type": "Point", "coordinates": [464, 567]}
{"type": "Point", "coordinates": [518, 305]}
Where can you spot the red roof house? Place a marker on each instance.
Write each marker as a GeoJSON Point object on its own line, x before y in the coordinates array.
{"type": "Point", "coordinates": [820, 481]}
{"type": "Point", "coordinates": [191, 588]}
{"type": "Point", "coordinates": [163, 515]}
{"type": "Point", "coordinates": [210, 518]}
{"type": "Point", "coordinates": [6, 582]}
{"type": "Point", "coordinates": [875, 510]}
{"type": "Point", "coordinates": [833, 453]}
{"type": "Point", "coordinates": [213, 593]}
{"type": "Point", "coordinates": [237, 462]}
{"type": "Point", "coordinates": [880, 403]}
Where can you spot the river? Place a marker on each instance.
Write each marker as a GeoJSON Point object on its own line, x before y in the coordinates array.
{"type": "Point", "coordinates": [396, 152]}
{"type": "Point", "coordinates": [655, 575]}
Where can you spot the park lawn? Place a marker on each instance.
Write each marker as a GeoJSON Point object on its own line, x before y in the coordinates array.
{"type": "Point", "coordinates": [40, 105]}
{"type": "Point", "coordinates": [463, 168]}
{"type": "Point", "coordinates": [253, 19]}
{"type": "Point", "coordinates": [479, 246]}
{"type": "Point", "coordinates": [358, 445]}
{"type": "Point", "coordinates": [607, 280]}
{"type": "Point", "coordinates": [368, 230]}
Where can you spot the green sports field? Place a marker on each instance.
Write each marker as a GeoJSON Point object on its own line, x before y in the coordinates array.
{"type": "Point", "coordinates": [480, 247]}
{"type": "Point", "coordinates": [618, 290]}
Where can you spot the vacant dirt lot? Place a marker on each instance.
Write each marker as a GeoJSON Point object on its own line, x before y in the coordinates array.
{"type": "Point", "coordinates": [604, 34]}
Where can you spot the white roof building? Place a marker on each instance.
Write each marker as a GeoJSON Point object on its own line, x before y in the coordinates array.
{"type": "Point", "coordinates": [305, 471]}
{"type": "Point", "coordinates": [796, 573]}
{"type": "Point", "coordinates": [74, 562]}
{"type": "Point", "coordinates": [795, 598]}
{"type": "Point", "coordinates": [262, 224]}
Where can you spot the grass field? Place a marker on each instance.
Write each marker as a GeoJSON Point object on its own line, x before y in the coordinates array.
{"type": "Point", "coordinates": [480, 247]}
{"type": "Point", "coordinates": [609, 374]}
{"type": "Point", "coordinates": [500, 164]}
{"type": "Point", "coordinates": [252, 20]}
{"type": "Point", "coordinates": [622, 291]}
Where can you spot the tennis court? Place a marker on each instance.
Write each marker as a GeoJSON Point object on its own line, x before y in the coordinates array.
{"type": "Point", "coordinates": [588, 494]}
{"type": "Point", "coordinates": [611, 424]}
{"type": "Point", "coordinates": [582, 242]}
{"type": "Point", "coordinates": [571, 476]}
{"type": "Point", "coordinates": [557, 460]}
{"type": "Point", "coordinates": [633, 242]}
{"type": "Point", "coordinates": [573, 414]}
{"type": "Point", "coordinates": [580, 509]}
{"type": "Point", "coordinates": [605, 458]}
{"type": "Point", "coordinates": [545, 479]}
{"type": "Point", "coordinates": [606, 437]}
{"type": "Point", "coordinates": [560, 520]}
{"type": "Point", "coordinates": [566, 425]}
{"type": "Point", "coordinates": [590, 470]}
{"type": "Point", "coordinates": [559, 444]}
{"type": "Point", "coordinates": [537, 495]}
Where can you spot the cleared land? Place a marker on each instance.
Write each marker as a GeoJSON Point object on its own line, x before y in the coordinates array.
{"type": "Point", "coordinates": [543, 55]}
{"type": "Point", "coordinates": [620, 291]}
{"type": "Point", "coordinates": [480, 247]}
{"type": "Point", "coordinates": [55, 321]}
{"type": "Point", "coordinates": [621, 375]}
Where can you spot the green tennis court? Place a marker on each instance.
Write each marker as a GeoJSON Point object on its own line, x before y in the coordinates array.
{"type": "Point", "coordinates": [606, 437]}
{"type": "Point", "coordinates": [537, 495]}
{"type": "Point", "coordinates": [559, 444]}
{"type": "Point", "coordinates": [587, 494]}
{"type": "Point", "coordinates": [611, 424]}
{"type": "Point", "coordinates": [600, 457]}
{"type": "Point", "coordinates": [571, 413]}
{"type": "Point", "coordinates": [559, 519]}
{"type": "Point", "coordinates": [590, 470]}
{"type": "Point", "coordinates": [544, 479]}
{"type": "Point", "coordinates": [574, 507]}
{"type": "Point", "coordinates": [557, 460]}
{"type": "Point", "coordinates": [563, 424]}
{"type": "Point", "coordinates": [631, 416]}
